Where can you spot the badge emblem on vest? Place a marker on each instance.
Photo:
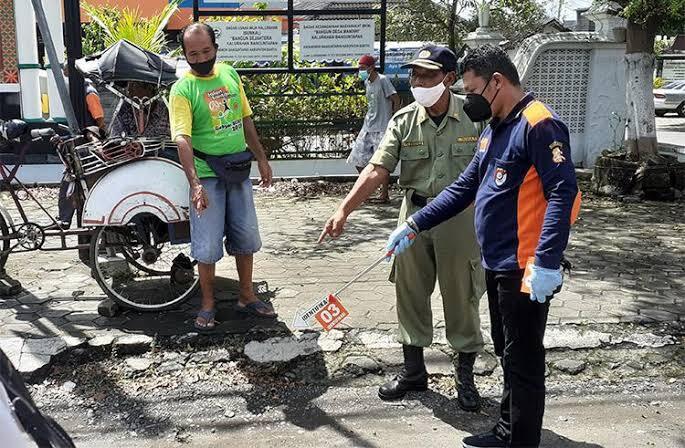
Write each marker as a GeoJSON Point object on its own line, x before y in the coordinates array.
{"type": "Point", "coordinates": [484, 141]}
{"type": "Point", "coordinates": [500, 176]}
{"type": "Point", "coordinates": [557, 153]}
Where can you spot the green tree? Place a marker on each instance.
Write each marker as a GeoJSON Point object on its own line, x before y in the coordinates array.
{"type": "Point", "coordinates": [448, 21]}
{"type": "Point", "coordinates": [147, 33]}
{"type": "Point", "coordinates": [93, 34]}
{"type": "Point", "coordinates": [422, 20]}
{"type": "Point", "coordinates": [660, 46]}
{"type": "Point", "coordinates": [518, 20]}
{"type": "Point", "coordinates": [646, 19]}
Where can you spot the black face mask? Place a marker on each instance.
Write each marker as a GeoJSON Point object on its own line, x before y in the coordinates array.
{"type": "Point", "coordinates": [476, 107]}
{"type": "Point", "coordinates": [203, 68]}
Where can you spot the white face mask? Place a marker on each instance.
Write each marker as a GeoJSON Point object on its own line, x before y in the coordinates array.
{"type": "Point", "coordinates": [428, 96]}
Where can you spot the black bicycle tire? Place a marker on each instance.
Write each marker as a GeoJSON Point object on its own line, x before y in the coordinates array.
{"type": "Point", "coordinates": [97, 274]}
{"type": "Point", "coordinates": [4, 230]}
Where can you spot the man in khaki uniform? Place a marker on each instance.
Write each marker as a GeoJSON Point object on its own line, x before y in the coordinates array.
{"type": "Point", "coordinates": [435, 141]}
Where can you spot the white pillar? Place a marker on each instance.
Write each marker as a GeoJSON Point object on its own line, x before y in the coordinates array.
{"type": "Point", "coordinates": [27, 60]}
{"type": "Point", "coordinates": [608, 24]}
{"type": "Point", "coordinates": [53, 12]}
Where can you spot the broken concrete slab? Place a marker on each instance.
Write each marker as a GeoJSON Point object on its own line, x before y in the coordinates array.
{"type": "Point", "coordinates": [334, 335]}
{"type": "Point", "coordinates": [169, 367]}
{"type": "Point", "coordinates": [438, 362]}
{"type": "Point", "coordinates": [331, 341]}
{"type": "Point", "coordinates": [329, 346]}
{"type": "Point", "coordinates": [209, 357]}
{"type": "Point", "coordinates": [138, 364]}
{"type": "Point", "coordinates": [570, 366]}
{"type": "Point", "coordinates": [650, 340]}
{"type": "Point", "coordinates": [132, 343]}
{"type": "Point", "coordinates": [635, 364]}
{"type": "Point", "coordinates": [30, 363]}
{"type": "Point", "coordinates": [485, 364]}
{"type": "Point", "coordinates": [359, 365]}
{"type": "Point", "coordinates": [73, 341]}
{"type": "Point", "coordinates": [281, 349]}
{"type": "Point", "coordinates": [219, 355]}
{"type": "Point", "coordinates": [572, 338]}
{"type": "Point", "coordinates": [101, 341]}
{"type": "Point", "coordinates": [12, 348]}
{"type": "Point", "coordinates": [390, 358]}
{"type": "Point", "coordinates": [44, 346]}
{"type": "Point", "coordinates": [374, 339]}
{"type": "Point", "coordinates": [200, 357]}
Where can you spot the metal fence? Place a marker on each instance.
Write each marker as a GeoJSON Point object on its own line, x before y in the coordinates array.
{"type": "Point", "coordinates": [317, 121]}
{"type": "Point", "coordinates": [308, 125]}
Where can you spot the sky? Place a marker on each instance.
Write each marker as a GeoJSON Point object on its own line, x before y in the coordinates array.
{"type": "Point", "coordinates": [568, 9]}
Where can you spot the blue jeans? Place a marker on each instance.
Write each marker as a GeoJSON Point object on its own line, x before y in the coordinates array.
{"type": "Point", "coordinates": [231, 214]}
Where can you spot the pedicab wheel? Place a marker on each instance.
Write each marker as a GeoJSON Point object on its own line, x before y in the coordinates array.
{"type": "Point", "coordinates": [163, 279]}
{"type": "Point", "coordinates": [4, 231]}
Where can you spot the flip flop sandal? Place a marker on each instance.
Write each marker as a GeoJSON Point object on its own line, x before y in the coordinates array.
{"type": "Point", "coordinates": [256, 309]}
{"type": "Point", "coordinates": [208, 316]}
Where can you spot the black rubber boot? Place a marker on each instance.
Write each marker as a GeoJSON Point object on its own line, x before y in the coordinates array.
{"type": "Point", "coordinates": [468, 397]}
{"type": "Point", "coordinates": [413, 376]}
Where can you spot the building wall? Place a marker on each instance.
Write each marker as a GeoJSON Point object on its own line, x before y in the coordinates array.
{"type": "Point", "coordinates": [9, 73]}
{"type": "Point", "coordinates": [146, 8]}
{"type": "Point", "coordinates": [605, 114]}
{"type": "Point", "coordinates": [582, 77]}
{"type": "Point", "coordinates": [9, 70]}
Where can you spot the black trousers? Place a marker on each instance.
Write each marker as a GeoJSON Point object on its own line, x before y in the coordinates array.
{"type": "Point", "coordinates": [518, 329]}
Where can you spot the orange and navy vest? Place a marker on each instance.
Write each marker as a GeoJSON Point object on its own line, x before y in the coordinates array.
{"type": "Point", "coordinates": [523, 185]}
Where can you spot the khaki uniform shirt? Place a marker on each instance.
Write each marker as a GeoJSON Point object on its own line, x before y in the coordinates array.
{"type": "Point", "coordinates": [432, 156]}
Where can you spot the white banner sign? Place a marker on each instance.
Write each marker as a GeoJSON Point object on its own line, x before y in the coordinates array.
{"type": "Point", "coordinates": [322, 40]}
{"type": "Point", "coordinates": [673, 71]}
{"type": "Point", "coordinates": [248, 41]}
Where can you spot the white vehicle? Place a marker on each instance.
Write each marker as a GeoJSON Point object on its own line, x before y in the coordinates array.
{"type": "Point", "coordinates": [670, 98]}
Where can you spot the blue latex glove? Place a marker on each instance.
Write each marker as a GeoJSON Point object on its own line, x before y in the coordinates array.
{"type": "Point", "coordinates": [400, 239]}
{"type": "Point", "coordinates": [544, 282]}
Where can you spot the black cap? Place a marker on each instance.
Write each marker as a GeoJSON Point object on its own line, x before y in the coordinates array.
{"type": "Point", "coordinates": [432, 57]}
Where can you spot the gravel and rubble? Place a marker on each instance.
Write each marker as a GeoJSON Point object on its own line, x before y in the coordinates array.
{"type": "Point", "coordinates": [122, 387]}
{"type": "Point", "coordinates": [185, 390]}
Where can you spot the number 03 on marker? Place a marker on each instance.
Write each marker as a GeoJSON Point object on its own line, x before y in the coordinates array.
{"type": "Point", "coordinates": [331, 314]}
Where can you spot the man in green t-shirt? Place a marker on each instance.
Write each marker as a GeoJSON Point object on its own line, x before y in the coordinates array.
{"type": "Point", "coordinates": [210, 114]}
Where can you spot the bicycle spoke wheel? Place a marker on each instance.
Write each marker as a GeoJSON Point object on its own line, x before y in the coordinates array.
{"type": "Point", "coordinates": [142, 270]}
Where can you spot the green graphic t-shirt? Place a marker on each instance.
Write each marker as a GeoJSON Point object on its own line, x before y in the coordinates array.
{"type": "Point", "coordinates": [210, 110]}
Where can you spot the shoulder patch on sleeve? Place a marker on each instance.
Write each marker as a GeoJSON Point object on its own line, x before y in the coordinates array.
{"type": "Point", "coordinates": [536, 112]}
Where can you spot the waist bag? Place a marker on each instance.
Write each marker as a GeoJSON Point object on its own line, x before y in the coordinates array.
{"type": "Point", "coordinates": [232, 168]}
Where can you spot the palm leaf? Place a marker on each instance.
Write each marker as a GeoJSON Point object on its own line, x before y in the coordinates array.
{"type": "Point", "coordinates": [165, 15]}
{"type": "Point", "coordinates": [98, 15]}
{"type": "Point", "coordinates": [146, 33]}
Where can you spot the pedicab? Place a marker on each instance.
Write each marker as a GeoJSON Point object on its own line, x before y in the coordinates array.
{"type": "Point", "coordinates": [132, 204]}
